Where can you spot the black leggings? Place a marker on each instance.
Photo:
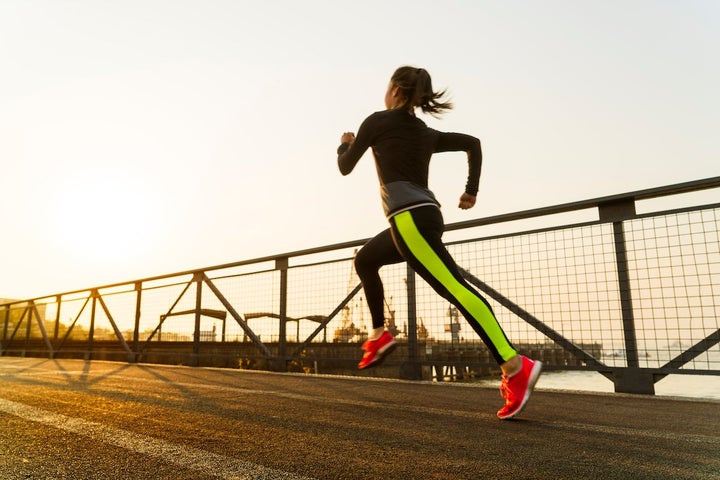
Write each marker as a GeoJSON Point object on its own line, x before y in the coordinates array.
{"type": "Point", "coordinates": [415, 236]}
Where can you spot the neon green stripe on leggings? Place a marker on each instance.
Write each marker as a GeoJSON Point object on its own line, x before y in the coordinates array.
{"type": "Point", "coordinates": [468, 299]}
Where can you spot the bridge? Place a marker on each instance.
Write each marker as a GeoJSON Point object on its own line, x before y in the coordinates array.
{"type": "Point", "coordinates": [627, 286]}
{"type": "Point", "coordinates": [621, 285]}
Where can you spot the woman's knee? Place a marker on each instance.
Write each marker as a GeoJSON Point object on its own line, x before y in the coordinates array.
{"type": "Point", "coordinates": [363, 266]}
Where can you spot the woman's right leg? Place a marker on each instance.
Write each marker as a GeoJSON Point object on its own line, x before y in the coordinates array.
{"type": "Point", "coordinates": [418, 234]}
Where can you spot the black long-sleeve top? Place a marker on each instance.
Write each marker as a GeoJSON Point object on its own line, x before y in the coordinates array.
{"type": "Point", "coordinates": [402, 146]}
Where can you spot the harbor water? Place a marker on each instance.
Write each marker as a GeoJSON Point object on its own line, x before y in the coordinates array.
{"type": "Point", "coordinates": [704, 387]}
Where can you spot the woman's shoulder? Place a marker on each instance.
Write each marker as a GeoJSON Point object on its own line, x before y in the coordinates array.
{"type": "Point", "coordinates": [394, 116]}
{"type": "Point", "coordinates": [378, 119]}
{"type": "Point", "coordinates": [380, 114]}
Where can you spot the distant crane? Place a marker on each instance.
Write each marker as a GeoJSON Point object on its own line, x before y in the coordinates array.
{"type": "Point", "coordinates": [454, 326]}
{"type": "Point", "coordinates": [348, 331]}
{"type": "Point", "coordinates": [390, 319]}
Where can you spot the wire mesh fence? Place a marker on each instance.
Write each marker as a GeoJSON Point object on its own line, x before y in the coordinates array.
{"type": "Point", "coordinates": [622, 292]}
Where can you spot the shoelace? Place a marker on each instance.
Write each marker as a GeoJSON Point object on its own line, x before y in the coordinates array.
{"type": "Point", "coordinates": [370, 349]}
{"type": "Point", "coordinates": [505, 391]}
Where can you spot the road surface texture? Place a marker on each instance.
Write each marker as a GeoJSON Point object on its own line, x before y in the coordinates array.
{"type": "Point", "coordinates": [70, 419]}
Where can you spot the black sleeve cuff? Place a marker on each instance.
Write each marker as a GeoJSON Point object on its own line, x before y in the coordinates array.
{"type": "Point", "coordinates": [343, 148]}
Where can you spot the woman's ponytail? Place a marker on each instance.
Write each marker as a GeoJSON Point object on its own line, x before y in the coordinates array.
{"type": "Point", "coordinates": [415, 88]}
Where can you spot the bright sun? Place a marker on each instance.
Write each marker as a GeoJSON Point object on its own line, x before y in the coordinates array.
{"type": "Point", "coordinates": [103, 220]}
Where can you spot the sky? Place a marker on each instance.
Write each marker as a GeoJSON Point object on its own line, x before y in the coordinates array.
{"type": "Point", "coordinates": [139, 138]}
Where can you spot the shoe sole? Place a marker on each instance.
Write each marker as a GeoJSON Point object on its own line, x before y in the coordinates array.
{"type": "Point", "coordinates": [532, 380]}
{"type": "Point", "coordinates": [381, 355]}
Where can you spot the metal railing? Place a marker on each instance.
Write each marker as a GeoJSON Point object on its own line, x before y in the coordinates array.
{"type": "Point", "coordinates": [591, 285]}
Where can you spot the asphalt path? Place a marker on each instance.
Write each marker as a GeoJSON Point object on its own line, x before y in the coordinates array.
{"type": "Point", "coordinates": [70, 419]}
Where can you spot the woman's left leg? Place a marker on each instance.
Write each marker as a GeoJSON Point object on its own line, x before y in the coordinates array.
{"type": "Point", "coordinates": [377, 252]}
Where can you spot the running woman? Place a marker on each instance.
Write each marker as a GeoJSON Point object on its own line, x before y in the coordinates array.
{"type": "Point", "coordinates": [402, 146]}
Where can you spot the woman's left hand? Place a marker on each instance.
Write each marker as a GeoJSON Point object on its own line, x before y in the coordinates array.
{"type": "Point", "coordinates": [347, 137]}
{"type": "Point", "coordinates": [467, 201]}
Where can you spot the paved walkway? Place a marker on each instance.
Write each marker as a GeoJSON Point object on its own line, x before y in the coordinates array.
{"type": "Point", "coordinates": [69, 419]}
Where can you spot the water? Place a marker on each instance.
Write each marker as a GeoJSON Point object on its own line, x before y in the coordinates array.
{"type": "Point", "coordinates": [689, 386]}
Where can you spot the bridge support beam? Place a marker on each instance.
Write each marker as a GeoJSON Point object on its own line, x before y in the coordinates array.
{"type": "Point", "coordinates": [634, 380]}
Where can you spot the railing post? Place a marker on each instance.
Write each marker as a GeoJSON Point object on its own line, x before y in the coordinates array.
{"type": "Point", "coordinates": [631, 379]}
{"type": "Point", "coordinates": [91, 333]}
{"type": "Point", "coordinates": [56, 330]}
{"type": "Point", "coordinates": [282, 265]}
{"type": "Point", "coordinates": [411, 370]}
{"type": "Point", "coordinates": [7, 322]}
{"type": "Point", "coordinates": [28, 327]}
{"type": "Point", "coordinates": [136, 330]}
{"type": "Point", "coordinates": [195, 357]}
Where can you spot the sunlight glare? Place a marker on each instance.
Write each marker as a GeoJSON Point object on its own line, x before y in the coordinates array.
{"type": "Point", "coordinates": [102, 220]}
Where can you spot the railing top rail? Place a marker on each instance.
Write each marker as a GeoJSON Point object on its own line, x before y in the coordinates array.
{"type": "Point", "coordinates": [675, 189]}
{"type": "Point", "coordinates": [657, 192]}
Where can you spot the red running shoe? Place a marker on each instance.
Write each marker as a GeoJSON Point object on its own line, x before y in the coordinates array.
{"type": "Point", "coordinates": [516, 390]}
{"type": "Point", "coordinates": [376, 350]}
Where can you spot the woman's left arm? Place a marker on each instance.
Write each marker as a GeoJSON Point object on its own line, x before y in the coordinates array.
{"type": "Point", "coordinates": [351, 149]}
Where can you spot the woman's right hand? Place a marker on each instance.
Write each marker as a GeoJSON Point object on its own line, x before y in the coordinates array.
{"type": "Point", "coordinates": [347, 137]}
{"type": "Point", "coordinates": [467, 201]}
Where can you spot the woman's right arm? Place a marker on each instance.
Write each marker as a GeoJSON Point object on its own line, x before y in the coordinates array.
{"type": "Point", "coordinates": [448, 142]}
